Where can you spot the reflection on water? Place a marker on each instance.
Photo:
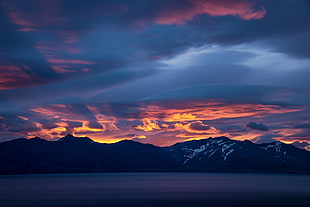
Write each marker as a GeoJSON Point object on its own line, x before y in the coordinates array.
{"type": "Point", "coordinates": [155, 189]}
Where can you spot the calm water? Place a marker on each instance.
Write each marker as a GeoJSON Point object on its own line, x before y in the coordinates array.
{"type": "Point", "coordinates": [155, 189]}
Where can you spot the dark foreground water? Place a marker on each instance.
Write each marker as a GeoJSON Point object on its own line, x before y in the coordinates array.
{"type": "Point", "coordinates": [155, 189]}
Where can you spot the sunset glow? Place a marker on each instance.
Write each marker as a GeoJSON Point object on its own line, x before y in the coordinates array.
{"type": "Point", "coordinates": [157, 72]}
{"type": "Point", "coordinates": [157, 122]}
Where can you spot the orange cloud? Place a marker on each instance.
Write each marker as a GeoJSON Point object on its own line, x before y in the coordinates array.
{"type": "Point", "coordinates": [241, 8]}
{"type": "Point", "coordinates": [288, 132]}
{"type": "Point", "coordinates": [148, 125]}
{"type": "Point", "coordinates": [87, 128]}
{"type": "Point", "coordinates": [65, 114]}
{"type": "Point", "coordinates": [109, 122]}
{"type": "Point", "coordinates": [182, 117]}
{"type": "Point", "coordinates": [48, 134]}
{"type": "Point", "coordinates": [163, 123]}
{"type": "Point", "coordinates": [211, 110]}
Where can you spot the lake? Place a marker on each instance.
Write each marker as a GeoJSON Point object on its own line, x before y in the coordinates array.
{"type": "Point", "coordinates": [154, 189]}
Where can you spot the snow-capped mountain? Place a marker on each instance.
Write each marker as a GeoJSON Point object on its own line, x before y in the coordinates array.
{"type": "Point", "coordinates": [203, 148]}
{"type": "Point", "coordinates": [223, 154]}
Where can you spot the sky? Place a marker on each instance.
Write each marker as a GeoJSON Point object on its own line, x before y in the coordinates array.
{"type": "Point", "coordinates": [154, 71]}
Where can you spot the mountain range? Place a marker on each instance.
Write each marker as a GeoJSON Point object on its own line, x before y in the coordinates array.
{"type": "Point", "coordinates": [81, 154]}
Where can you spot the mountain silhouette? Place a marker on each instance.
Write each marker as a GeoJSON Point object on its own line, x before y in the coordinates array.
{"type": "Point", "coordinates": [81, 154]}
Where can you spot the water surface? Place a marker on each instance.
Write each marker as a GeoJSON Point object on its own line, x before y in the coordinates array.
{"type": "Point", "coordinates": [154, 189]}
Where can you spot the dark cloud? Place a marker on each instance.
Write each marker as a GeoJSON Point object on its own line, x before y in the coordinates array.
{"type": "Point", "coordinates": [233, 93]}
{"type": "Point", "coordinates": [199, 126]}
{"type": "Point", "coordinates": [70, 127]}
{"type": "Point", "coordinates": [74, 124]}
{"type": "Point", "coordinates": [280, 23]}
{"type": "Point", "coordinates": [17, 124]}
{"type": "Point", "coordinates": [49, 125]}
{"type": "Point", "coordinates": [302, 126]}
{"type": "Point", "coordinates": [74, 90]}
{"type": "Point", "coordinates": [257, 126]}
{"type": "Point", "coordinates": [231, 128]}
{"type": "Point", "coordinates": [94, 125]}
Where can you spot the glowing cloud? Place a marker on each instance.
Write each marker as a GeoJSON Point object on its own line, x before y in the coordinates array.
{"type": "Point", "coordinates": [210, 110]}
{"type": "Point", "coordinates": [181, 117]}
{"type": "Point", "coordinates": [148, 125]}
{"type": "Point", "coordinates": [162, 123]}
{"type": "Point", "coordinates": [77, 120]}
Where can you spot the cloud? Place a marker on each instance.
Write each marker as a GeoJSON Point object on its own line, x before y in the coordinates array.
{"type": "Point", "coordinates": [231, 92]}
{"type": "Point", "coordinates": [176, 69]}
{"type": "Point", "coordinates": [199, 126]}
{"type": "Point", "coordinates": [73, 90]}
{"type": "Point", "coordinates": [302, 126]}
{"type": "Point", "coordinates": [55, 53]}
{"type": "Point", "coordinates": [179, 15]}
{"type": "Point", "coordinates": [13, 76]}
{"type": "Point", "coordinates": [257, 126]}
{"type": "Point", "coordinates": [267, 138]}
{"type": "Point", "coordinates": [94, 125]}
{"type": "Point", "coordinates": [199, 109]}
{"type": "Point", "coordinates": [77, 43]}
{"type": "Point", "coordinates": [302, 145]}
{"type": "Point", "coordinates": [54, 121]}
{"type": "Point", "coordinates": [134, 137]}
{"type": "Point", "coordinates": [289, 38]}
{"type": "Point", "coordinates": [163, 122]}
{"type": "Point", "coordinates": [17, 125]}
{"type": "Point", "coordinates": [148, 125]}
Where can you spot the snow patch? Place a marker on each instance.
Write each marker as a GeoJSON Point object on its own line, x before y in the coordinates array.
{"type": "Point", "coordinates": [226, 151]}
{"type": "Point", "coordinates": [274, 146]}
{"type": "Point", "coordinates": [209, 149]}
{"type": "Point", "coordinates": [193, 152]}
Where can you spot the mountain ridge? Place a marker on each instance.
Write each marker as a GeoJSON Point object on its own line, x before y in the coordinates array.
{"type": "Point", "coordinates": [81, 154]}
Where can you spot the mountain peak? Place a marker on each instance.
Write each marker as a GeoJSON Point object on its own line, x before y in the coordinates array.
{"type": "Point", "coordinates": [247, 141]}
{"type": "Point", "coordinates": [71, 138]}
{"type": "Point", "coordinates": [222, 138]}
{"type": "Point", "coordinates": [36, 138]}
{"type": "Point", "coordinates": [126, 141]}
